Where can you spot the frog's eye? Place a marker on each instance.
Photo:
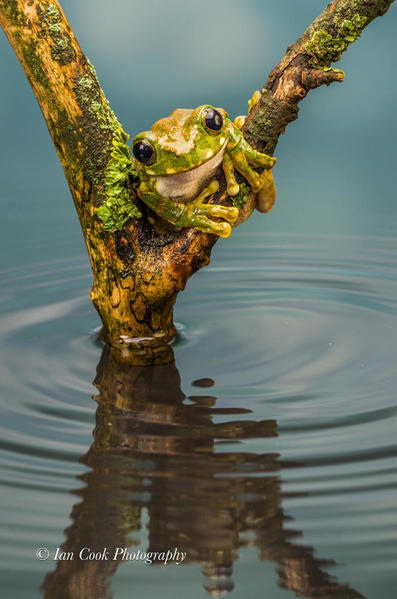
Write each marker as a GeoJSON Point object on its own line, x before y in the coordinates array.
{"type": "Point", "coordinates": [144, 152]}
{"type": "Point", "coordinates": [212, 120]}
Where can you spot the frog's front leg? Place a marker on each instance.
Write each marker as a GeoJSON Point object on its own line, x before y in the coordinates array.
{"type": "Point", "coordinates": [194, 214]}
{"type": "Point", "coordinates": [243, 155]}
{"type": "Point", "coordinates": [228, 168]}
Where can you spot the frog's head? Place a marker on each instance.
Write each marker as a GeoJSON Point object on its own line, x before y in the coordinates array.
{"type": "Point", "coordinates": [183, 141]}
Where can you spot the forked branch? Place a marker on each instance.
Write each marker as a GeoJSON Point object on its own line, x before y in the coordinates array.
{"type": "Point", "coordinates": [138, 273]}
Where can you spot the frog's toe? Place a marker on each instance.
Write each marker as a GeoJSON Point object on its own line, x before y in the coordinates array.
{"type": "Point", "coordinates": [254, 100]}
{"type": "Point", "coordinates": [239, 121]}
{"type": "Point", "coordinates": [206, 225]}
{"type": "Point", "coordinates": [229, 213]}
{"type": "Point", "coordinates": [223, 229]}
{"type": "Point", "coordinates": [233, 189]}
{"type": "Point", "coordinates": [256, 183]}
{"type": "Point", "coordinates": [232, 214]}
{"type": "Point", "coordinates": [213, 187]}
{"type": "Point", "coordinates": [272, 160]}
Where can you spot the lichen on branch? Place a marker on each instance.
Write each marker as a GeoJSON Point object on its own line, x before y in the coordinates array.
{"type": "Point", "coordinates": [50, 19]}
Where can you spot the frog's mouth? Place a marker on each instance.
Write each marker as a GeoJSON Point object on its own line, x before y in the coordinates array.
{"type": "Point", "coordinates": [186, 186]}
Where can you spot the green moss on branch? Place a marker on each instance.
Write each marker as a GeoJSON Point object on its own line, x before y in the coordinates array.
{"type": "Point", "coordinates": [324, 48]}
{"type": "Point", "coordinates": [118, 208]}
{"type": "Point", "coordinates": [240, 200]}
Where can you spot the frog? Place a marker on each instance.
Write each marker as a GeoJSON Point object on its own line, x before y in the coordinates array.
{"type": "Point", "coordinates": [177, 162]}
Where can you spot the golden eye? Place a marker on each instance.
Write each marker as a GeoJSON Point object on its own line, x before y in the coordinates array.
{"type": "Point", "coordinates": [144, 152]}
{"type": "Point", "coordinates": [212, 120]}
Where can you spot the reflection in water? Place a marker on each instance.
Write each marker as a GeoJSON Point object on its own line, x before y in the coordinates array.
{"type": "Point", "coordinates": [156, 449]}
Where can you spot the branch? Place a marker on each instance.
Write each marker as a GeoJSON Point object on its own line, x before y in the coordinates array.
{"type": "Point", "coordinates": [77, 114]}
{"type": "Point", "coordinates": [307, 65]}
{"type": "Point", "coordinates": [138, 273]}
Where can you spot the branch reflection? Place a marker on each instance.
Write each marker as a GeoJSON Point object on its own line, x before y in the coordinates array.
{"type": "Point", "coordinates": [156, 449]}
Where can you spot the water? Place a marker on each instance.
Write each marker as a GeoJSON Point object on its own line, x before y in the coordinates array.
{"type": "Point", "coordinates": [267, 452]}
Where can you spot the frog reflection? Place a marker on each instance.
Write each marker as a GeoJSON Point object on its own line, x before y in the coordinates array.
{"type": "Point", "coordinates": [154, 448]}
{"type": "Point", "coordinates": [177, 161]}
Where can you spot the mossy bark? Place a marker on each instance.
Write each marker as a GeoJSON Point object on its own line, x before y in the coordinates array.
{"type": "Point", "coordinates": [137, 273]}
{"type": "Point", "coordinates": [306, 65]}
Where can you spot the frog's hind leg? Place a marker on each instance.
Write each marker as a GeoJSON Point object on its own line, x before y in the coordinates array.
{"type": "Point", "coordinates": [198, 215]}
{"type": "Point", "coordinates": [240, 163]}
{"type": "Point", "coordinates": [243, 156]}
{"type": "Point", "coordinates": [198, 206]}
{"type": "Point", "coordinates": [208, 191]}
{"type": "Point", "coordinates": [229, 213]}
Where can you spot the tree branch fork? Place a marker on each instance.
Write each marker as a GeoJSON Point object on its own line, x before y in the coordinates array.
{"type": "Point", "coordinates": [138, 273]}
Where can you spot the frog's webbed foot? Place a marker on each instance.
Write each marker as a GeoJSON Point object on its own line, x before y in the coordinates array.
{"type": "Point", "coordinates": [202, 223]}
{"type": "Point", "coordinates": [198, 215]}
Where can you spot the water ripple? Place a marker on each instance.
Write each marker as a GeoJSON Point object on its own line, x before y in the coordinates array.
{"type": "Point", "coordinates": [287, 353]}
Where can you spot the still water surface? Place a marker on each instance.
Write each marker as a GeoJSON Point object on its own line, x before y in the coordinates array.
{"type": "Point", "coordinates": [267, 452]}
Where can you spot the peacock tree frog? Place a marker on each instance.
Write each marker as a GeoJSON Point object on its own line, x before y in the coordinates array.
{"type": "Point", "coordinates": [177, 163]}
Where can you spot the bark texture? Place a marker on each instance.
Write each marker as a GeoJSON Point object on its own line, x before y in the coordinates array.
{"type": "Point", "coordinates": [137, 273]}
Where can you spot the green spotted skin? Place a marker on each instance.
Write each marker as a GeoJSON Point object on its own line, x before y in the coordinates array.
{"type": "Point", "coordinates": [184, 159]}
